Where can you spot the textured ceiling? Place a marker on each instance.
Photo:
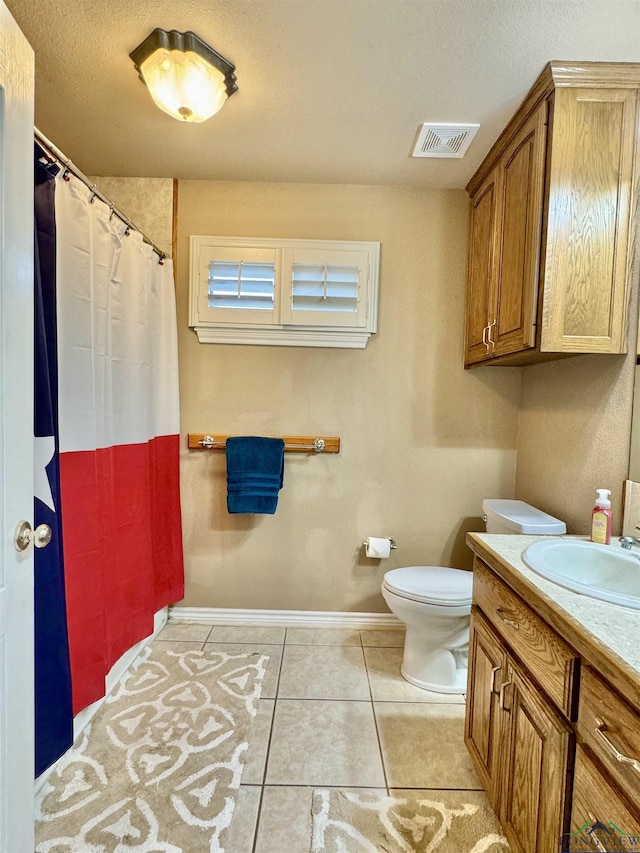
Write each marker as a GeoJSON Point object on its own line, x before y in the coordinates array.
{"type": "Point", "coordinates": [330, 90]}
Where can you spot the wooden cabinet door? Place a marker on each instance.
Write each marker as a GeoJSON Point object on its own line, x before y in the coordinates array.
{"type": "Point", "coordinates": [487, 667]}
{"type": "Point", "coordinates": [483, 250]}
{"type": "Point", "coordinates": [521, 184]}
{"type": "Point", "coordinates": [596, 801]}
{"type": "Point", "coordinates": [591, 208]}
{"type": "Point", "coordinates": [532, 800]}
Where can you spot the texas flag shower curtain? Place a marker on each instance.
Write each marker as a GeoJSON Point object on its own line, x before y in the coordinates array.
{"type": "Point", "coordinates": [118, 423]}
{"type": "Point", "coordinates": [53, 715]}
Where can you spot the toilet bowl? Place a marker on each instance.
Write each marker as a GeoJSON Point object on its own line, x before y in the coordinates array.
{"type": "Point", "coordinates": [434, 602]}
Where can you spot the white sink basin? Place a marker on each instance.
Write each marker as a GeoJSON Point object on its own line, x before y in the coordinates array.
{"type": "Point", "coordinates": [606, 572]}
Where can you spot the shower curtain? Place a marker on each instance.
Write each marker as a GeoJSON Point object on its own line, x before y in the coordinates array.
{"type": "Point", "coordinates": [118, 434]}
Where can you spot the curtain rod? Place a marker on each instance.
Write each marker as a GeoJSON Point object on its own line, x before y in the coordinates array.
{"type": "Point", "coordinates": [66, 162]}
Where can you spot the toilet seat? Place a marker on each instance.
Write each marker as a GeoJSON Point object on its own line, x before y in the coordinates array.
{"type": "Point", "coordinates": [437, 585]}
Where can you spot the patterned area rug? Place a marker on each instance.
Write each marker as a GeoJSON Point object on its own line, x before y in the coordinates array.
{"type": "Point", "coordinates": [158, 769]}
{"type": "Point", "coordinates": [346, 822]}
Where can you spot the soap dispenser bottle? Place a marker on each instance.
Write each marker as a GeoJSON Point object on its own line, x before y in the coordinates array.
{"type": "Point", "coordinates": [601, 518]}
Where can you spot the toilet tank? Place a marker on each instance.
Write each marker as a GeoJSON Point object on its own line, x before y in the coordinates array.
{"type": "Point", "coordinates": [502, 516]}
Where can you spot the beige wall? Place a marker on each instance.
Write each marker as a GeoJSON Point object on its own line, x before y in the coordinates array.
{"type": "Point", "coordinates": [575, 430]}
{"type": "Point", "coordinates": [423, 441]}
{"type": "Point", "coordinates": [148, 202]}
{"type": "Point", "coordinates": [575, 422]}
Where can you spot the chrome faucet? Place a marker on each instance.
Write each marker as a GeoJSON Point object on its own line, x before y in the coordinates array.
{"type": "Point", "coordinates": [627, 542]}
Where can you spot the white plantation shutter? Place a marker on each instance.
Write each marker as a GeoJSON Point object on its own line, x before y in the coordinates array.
{"type": "Point", "coordinates": [323, 287]}
{"type": "Point", "coordinates": [326, 287]}
{"type": "Point", "coordinates": [321, 293]}
{"type": "Point", "coordinates": [241, 284]}
{"type": "Point", "coordinates": [237, 285]}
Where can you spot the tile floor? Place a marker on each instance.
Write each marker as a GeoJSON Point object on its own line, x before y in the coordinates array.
{"type": "Point", "coordinates": [334, 712]}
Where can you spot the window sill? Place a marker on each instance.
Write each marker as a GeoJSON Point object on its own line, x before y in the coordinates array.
{"type": "Point", "coordinates": [284, 337]}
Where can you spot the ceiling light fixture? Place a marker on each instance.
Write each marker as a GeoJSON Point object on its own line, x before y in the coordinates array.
{"type": "Point", "coordinates": [186, 78]}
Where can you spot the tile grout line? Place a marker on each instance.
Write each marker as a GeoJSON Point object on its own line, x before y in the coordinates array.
{"type": "Point", "coordinates": [268, 750]}
{"type": "Point", "coordinates": [375, 719]}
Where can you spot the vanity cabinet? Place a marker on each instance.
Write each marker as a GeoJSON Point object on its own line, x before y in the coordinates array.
{"type": "Point", "coordinates": [608, 731]}
{"type": "Point", "coordinates": [533, 802]}
{"type": "Point", "coordinates": [519, 742]}
{"type": "Point", "coordinates": [556, 745]}
{"type": "Point", "coordinates": [483, 728]}
{"type": "Point", "coordinates": [551, 228]}
{"type": "Point", "coordinates": [596, 800]}
{"type": "Point", "coordinates": [519, 739]}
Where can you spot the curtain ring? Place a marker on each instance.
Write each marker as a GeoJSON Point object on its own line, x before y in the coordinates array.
{"type": "Point", "coordinates": [66, 176]}
{"type": "Point", "coordinates": [127, 231]}
{"type": "Point", "coordinates": [93, 198]}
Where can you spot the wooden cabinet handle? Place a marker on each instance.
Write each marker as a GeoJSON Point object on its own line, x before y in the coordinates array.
{"type": "Point", "coordinates": [513, 624]}
{"type": "Point", "coordinates": [492, 687]}
{"type": "Point", "coordinates": [594, 838]}
{"type": "Point", "coordinates": [600, 730]}
{"type": "Point", "coordinates": [503, 687]}
{"type": "Point", "coordinates": [489, 338]}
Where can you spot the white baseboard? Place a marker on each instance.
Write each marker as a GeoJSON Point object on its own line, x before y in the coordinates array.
{"type": "Point", "coordinates": [283, 618]}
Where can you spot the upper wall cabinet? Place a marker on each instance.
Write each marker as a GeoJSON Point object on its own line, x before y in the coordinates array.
{"type": "Point", "coordinates": [552, 220]}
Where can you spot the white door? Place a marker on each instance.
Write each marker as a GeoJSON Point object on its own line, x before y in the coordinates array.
{"type": "Point", "coordinates": [16, 437]}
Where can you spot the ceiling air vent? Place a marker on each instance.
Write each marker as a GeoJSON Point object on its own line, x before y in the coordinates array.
{"type": "Point", "coordinates": [444, 140]}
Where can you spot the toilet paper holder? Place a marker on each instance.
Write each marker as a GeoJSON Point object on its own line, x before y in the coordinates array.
{"type": "Point", "coordinates": [392, 543]}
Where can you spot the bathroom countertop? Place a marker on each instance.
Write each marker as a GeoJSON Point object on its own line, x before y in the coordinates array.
{"type": "Point", "coordinates": [606, 635]}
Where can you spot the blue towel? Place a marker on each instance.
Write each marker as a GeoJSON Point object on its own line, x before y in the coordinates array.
{"type": "Point", "coordinates": [255, 468]}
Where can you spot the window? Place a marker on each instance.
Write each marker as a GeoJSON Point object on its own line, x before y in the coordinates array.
{"type": "Point", "coordinates": [283, 292]}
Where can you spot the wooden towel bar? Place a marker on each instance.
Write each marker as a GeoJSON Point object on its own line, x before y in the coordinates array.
{"type": "Point", "coordinates": [294, 443]}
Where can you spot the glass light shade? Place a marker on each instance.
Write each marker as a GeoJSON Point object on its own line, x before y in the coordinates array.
{"type": "Point", "coordinates": [183, 84]}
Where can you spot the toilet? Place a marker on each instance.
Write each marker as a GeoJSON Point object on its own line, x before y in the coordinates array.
{"type": "Point", "coordinates": [434, 602]}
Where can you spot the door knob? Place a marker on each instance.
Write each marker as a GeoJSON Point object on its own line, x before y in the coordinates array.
{"type": "Point", "coordinates": [24, 535]}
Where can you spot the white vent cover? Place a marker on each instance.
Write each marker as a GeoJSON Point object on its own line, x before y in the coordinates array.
{"type": "Point", "coordinates": [444, 140]}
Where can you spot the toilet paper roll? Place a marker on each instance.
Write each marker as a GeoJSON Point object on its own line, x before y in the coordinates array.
{"type": "Point", "coordinates": [378, 548]}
